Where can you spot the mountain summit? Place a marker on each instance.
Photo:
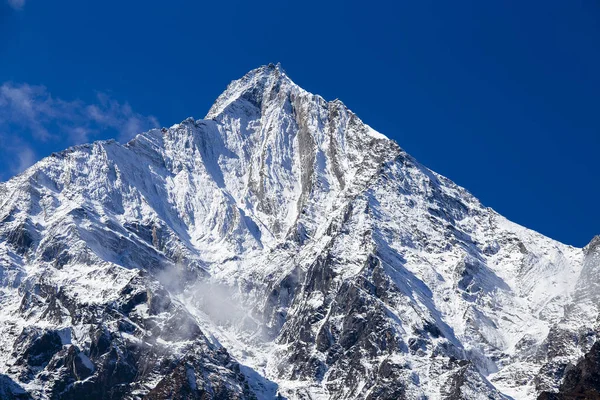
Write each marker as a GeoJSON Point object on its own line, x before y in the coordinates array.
{"type": "Point", "coordinates": [280, 248]}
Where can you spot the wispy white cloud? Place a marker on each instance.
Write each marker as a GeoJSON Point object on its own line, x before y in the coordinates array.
{"type": "Point", "coordinates": [25, 159]}
{"type": "Point", "coordinates": [31, 117]}
{"type": "Point", "coordinates": [33, 108]}
{"type": "Point", "coordinates": [15, 155]}
{"type": "Point", "coordinates": [112, 114]}
{"type": "Point", "coordinates": [27, 105]}
{"type": "Point", "coordinates": [16, 4]}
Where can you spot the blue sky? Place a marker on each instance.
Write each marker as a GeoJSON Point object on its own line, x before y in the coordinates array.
{"type": "Point", "coordinates": [503, 97]}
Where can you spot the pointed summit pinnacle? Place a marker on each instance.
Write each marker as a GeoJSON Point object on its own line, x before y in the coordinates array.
{"type": "Point", "coordinates": [276, 67]}
{"type": "Point", "coordinates": [252, 87]}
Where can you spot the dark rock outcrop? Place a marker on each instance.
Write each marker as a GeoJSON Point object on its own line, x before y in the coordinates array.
{"type": "Point", "coordinates": [581, 381]}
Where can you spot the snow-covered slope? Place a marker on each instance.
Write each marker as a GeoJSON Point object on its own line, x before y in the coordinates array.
{"type": "Point", "coordinates": [278, 247]}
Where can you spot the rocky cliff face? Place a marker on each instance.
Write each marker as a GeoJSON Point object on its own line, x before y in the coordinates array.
{"type": "Point", "coordinates": [581, 381]}
{"type": "Point", "coordinates": [278, 248]}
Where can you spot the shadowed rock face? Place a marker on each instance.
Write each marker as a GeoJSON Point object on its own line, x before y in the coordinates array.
{"type": "Point", "coordinates": [581, 381]}
{"type": "Point", "coordinates": [125, 348]}
{"type": "Point", "coordinates": [10, 390]}
{"type": "Point", "coordinates": [280, 248]}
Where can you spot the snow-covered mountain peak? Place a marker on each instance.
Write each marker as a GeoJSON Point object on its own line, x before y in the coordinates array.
{"type": "Point", "coordinates": [275, 149]}
{"type": "Point", "coordinates": [279, 245]}
{"type": "Point", "coordinates": [254, 88]}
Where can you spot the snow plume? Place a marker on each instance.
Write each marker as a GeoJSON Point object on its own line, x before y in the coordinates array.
{"type": "Point", "coordinates": [22, 156]}
{"type": "Point", "coordinates": [222, 304]}
{"type": "Point", "coordinates": [173, 277]}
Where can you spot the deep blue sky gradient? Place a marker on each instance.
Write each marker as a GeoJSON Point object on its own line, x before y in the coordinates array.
{"type": "Point", "coordinates": [503, 97]}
